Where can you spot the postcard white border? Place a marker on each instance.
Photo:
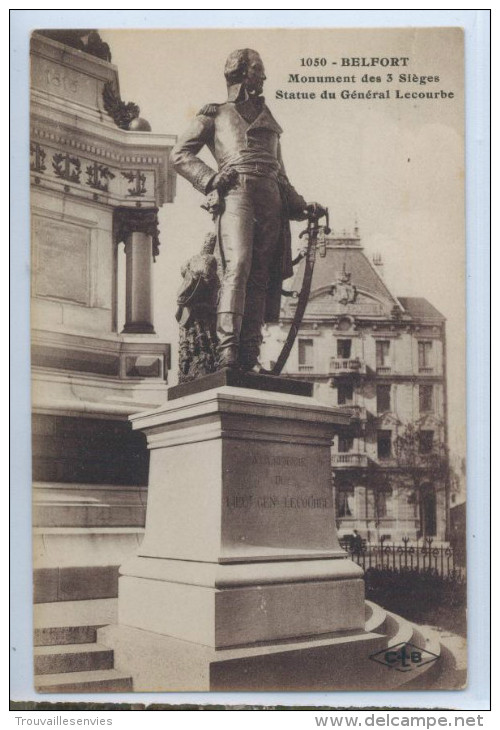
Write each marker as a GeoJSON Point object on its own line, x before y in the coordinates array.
{"type": "Point", "coordinates": [477, 48]}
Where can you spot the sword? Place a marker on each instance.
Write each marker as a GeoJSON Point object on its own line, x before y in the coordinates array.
{"type": "Point", "coordinates": [309, 253]}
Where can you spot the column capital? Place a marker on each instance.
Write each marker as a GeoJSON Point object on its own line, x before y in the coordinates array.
{"type": "Point", "coordinates": [137, 220]}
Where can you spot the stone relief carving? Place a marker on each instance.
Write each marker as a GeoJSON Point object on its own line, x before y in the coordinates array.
{"type": "Point", "coordinates": [37, 154]}
{"type": "Point", "coordinates": [67, 167]}
{"type": "Point", "coordinates": [139, 179]}
{"type": "Point", "coordinates": [98, 176]}
{"type": "Point", "coordinates": [122, 113]}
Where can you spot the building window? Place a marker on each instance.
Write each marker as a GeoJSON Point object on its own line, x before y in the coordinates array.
{"type": "Point", "coordinates": [426, 441]}
{"type": "Point", "coordinates": [425, 398]}
{"type": "Point", "coordinates": [345, 444]}
{"type": "Point", "coordinates": [384, 444]}
{"type": "Point", "coordinates": [344, 349]}
{"type": "Point", "coordinates": [306, 355]}
{"type": "Point", "coordinates": [344, 394]}
{"type": "Point", "coordinates": [425, 356]}
{"type": "Point", "coordinates": [379, 503]}
{"type": "Point", "coordinates": [383, 348]}
{"type": "Point", "coordinates": [383, 398]}
{"type": "Point", "coordinates": [344, 497]}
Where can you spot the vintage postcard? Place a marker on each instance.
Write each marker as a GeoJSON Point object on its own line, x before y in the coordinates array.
{"type": "Point", "coordinates": [248, 360]}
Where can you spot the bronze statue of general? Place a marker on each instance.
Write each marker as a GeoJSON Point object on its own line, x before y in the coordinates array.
{"type": "Point", "coordinates": [257, 201]}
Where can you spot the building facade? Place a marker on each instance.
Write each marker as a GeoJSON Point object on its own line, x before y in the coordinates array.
{"type": "Point", "coordinates": [98, 178]}
{"type": "Point", "coordinates": [383, 358]}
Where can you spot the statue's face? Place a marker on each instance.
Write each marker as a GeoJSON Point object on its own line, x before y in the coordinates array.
{"type": "Point", "coordinates": [255, 76]}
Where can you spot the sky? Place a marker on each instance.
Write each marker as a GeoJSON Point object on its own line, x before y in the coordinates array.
{"type": "Point", "coordinates": [396, 166]}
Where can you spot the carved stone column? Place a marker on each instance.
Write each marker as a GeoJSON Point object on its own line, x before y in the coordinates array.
{"type": "Point", "coordinates": [138, 229]}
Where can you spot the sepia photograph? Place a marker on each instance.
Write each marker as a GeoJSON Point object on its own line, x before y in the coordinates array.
{"type": "Point", "coordinates": [248, 344]}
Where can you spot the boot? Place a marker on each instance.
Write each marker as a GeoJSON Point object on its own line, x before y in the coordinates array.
{"type": "Point", "coordinates": [250, 342]}
{"type": "Point", "coordinates": [228, 336]}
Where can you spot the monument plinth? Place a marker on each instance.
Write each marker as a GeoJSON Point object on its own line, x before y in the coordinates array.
{"type": "Point", "coordinates": [240, 560]}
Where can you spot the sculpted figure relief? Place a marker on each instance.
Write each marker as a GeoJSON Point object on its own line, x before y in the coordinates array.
{"type": "Point", "coordinates": [256, 202]}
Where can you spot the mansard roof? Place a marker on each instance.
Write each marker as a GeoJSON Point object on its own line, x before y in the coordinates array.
{"type": "Point", "coordinates": [419, 308]}
{"type": "Point", "coordinates": [363, 274]}
{"type": "Point", "coordinates": [345, 281]}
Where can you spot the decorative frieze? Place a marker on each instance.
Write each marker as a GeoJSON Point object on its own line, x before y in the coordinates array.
{"type": "Point", "coordinates": [98, 176]}
{"type": "Point", "coordinates": [138, 179]}
{"type": "Point", "coordinates": [37, 158]}
{"type": "Point", "coordinates": [67, 167]}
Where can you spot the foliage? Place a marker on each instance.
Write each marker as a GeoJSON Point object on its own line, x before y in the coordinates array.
{"type": "Point", "coordinates": [421, 596]}
{"type": "Point", "coordinates": [422, 466]}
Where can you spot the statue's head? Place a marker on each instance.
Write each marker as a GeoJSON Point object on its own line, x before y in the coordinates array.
{"type": "Point", "coordinates": [245, 67]}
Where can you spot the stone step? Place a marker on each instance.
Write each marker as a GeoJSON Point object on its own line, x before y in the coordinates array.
{"type": "Point", "coordinates": [453, 672]}
{"type": "Point", "coordinates": [449, 671]}
{"type": "Point", "coordinates": [375, 618]}
{"type": "Point", "coordinates": [104, 680]}
{"type": "Point", "coordinates": [96, 612]}
{"type": "Point", "coordinates": [61, 658]}
{"type": "Point", "coordinates": [53, 635]}
{"type": "Point", "coordinates": [425, 676]}
{"type": "Point", "coordinates": [399, 629]}
{"type": "Point", "coordinates": [75, 583]}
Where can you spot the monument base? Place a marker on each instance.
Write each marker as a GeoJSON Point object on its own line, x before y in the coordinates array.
{"type": "Point", "coordinates": [236, 605]}
{"type": "Point", "coordinates": [240, 582]}
{"type": "Point", "coordinates": [163, 663]}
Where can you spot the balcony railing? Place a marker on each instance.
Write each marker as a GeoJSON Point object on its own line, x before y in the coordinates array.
{"type": "Point", "coordinates": [349, 460]}
{"type": "Point", "coordinates": [384, 369]}
{"type": "Point", "coordinates": [340, 365]}
{"type": "Point", "coordinates": [306, 368]}
{"type": "Point", "coordinates": [425, 370]}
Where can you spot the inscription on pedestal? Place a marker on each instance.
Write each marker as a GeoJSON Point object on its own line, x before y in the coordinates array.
{"type": "Point", "coordinates": [277, 496]}
{"type": "Point", "coordinates": [271, 501]}
{"type": "Point", "coordinates": [62, 81]}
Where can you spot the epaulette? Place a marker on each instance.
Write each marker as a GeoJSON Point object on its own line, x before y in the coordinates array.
{"type": "Point", "coordinates": [209, 110]}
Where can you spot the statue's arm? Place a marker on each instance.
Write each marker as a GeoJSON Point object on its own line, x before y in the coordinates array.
{"type": "Point", "coordinates": [184, 154]}
{"type": "Point", "coordinates": [296, 203]}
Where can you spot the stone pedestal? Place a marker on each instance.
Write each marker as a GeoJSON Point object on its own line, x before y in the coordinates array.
{"type": "Point", "coordinates": [240, 564]}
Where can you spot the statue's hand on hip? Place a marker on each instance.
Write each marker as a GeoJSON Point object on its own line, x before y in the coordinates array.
{"type": "Point", "coordinates": [224, 181]}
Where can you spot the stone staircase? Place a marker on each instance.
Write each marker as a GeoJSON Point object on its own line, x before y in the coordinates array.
{"type": "Point", "coordinates": [447, 672]}
{"type": "Point", "coordinates": [69, 657]}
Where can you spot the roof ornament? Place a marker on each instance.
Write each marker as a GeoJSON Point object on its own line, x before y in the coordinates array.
{"type": "Point", "coordinates": [342, 290]}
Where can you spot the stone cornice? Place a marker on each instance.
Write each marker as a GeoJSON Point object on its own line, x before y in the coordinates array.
{"type": "Point", "coordinates": [115, 166]}
{"type": "Point", "coordinates": [108, 142]}
{"type": "Point", "coordinates": [73, 58]}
